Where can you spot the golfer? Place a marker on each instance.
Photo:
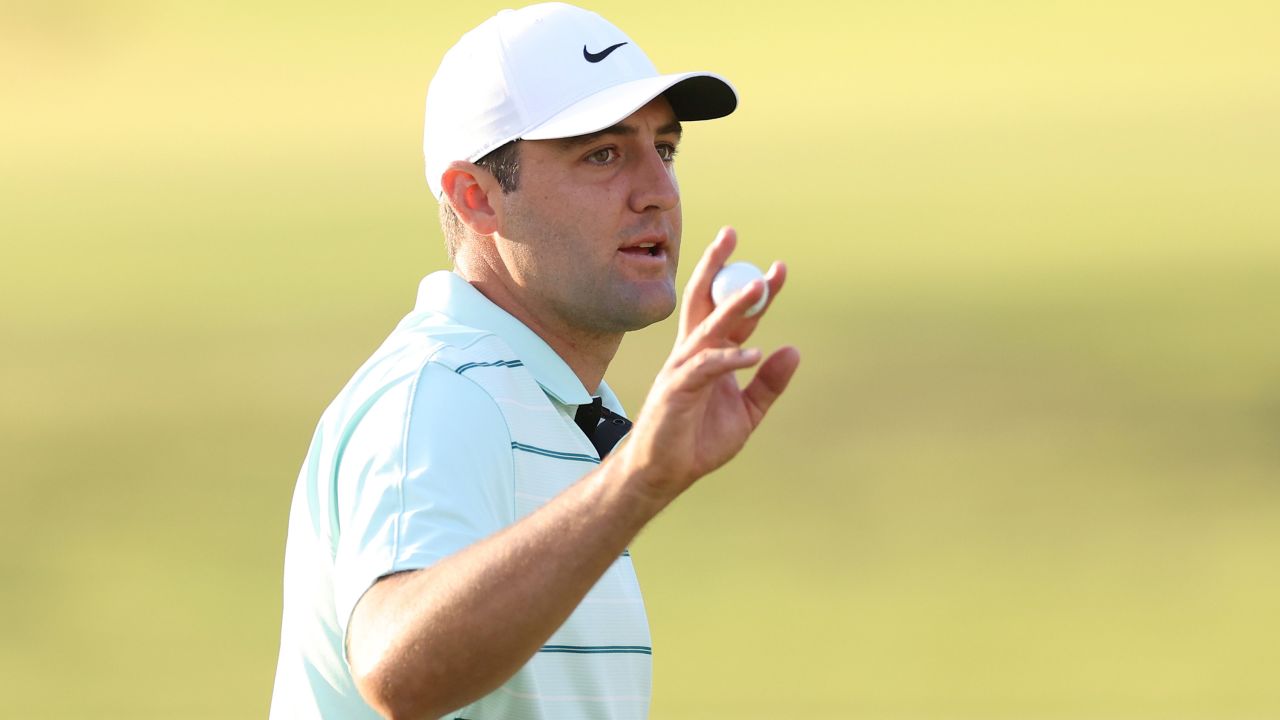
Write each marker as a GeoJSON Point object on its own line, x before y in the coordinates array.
{"type": "Point", "coordinates": [458, 539]}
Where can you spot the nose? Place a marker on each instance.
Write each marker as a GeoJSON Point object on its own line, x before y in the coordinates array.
{"type": "Point", "coordinates": [654, 185]}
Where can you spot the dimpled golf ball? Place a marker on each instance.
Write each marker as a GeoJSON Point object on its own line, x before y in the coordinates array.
{"type": "Point", "coordinates": [732, 278]}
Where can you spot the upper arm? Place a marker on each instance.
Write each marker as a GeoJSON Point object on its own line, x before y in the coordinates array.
{"type": "Point", "coordinates": [425, 474]}
{"type": "Point", "coordinates": [372, 628]}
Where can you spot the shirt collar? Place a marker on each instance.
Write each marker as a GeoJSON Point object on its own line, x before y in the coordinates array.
{"type": "Point", "coordinates": [447, 293]}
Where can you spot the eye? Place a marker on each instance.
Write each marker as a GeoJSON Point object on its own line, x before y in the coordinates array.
{"type": "Point", "coordinates": [603, 156]}
{"type": "Point", "coordinates": [667, 151]}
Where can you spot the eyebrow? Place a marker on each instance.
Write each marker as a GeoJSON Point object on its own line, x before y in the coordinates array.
{"type": "Point", "coordinates": [671, 128]}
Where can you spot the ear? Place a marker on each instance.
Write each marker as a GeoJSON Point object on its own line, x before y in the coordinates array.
{"type": "Point", "coordinates": [468, 187]}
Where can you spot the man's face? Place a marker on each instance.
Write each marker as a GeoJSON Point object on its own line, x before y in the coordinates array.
{"type": "Point", "coordinates": [591, 237]}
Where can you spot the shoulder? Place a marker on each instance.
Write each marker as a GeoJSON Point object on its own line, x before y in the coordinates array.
{"type": "Point", "coordinates": [419, 372]}
{"type": "Point", "coordinates": [430, 366]}
{"type": "Point", "coordinates": [474, 357]}
{"type": "Point", "coordinates": [433, 372]}
{"type": "Point", "coordinates": [435, 434]}
{"type": "Point", "coordinates": [424, 347]}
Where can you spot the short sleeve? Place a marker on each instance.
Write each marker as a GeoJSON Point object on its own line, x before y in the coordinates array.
{"type": "Point", "coordinates": [426, 473]}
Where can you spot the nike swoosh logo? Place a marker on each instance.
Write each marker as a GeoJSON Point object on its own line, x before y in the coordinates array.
{"type": "Point", "coordinates": [597, 57]}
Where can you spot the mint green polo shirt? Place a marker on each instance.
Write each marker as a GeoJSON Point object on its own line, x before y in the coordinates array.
{"type": "Point", "coordinates": [459, 425]}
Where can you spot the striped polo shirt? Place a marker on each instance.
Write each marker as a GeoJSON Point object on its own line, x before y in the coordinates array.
{"type": "Point", "coordinates": [460, 424]}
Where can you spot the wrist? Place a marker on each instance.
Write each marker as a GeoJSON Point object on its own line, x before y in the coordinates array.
{"type": "Point", "coordinates": [645, 484]}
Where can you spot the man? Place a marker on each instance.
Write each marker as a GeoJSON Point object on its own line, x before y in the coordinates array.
{"type": "Point", "coordinates": [458, 537]}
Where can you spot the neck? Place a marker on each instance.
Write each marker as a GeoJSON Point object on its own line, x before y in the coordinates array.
{"type": "Point", "coordinates": [587, 354]}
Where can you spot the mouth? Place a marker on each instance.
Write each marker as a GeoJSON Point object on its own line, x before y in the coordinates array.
{"type": "Point", "coordinates": [646, 247]}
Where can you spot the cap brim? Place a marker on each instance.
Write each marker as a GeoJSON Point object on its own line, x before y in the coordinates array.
{"type": "Point", "coordinates": [693, 96]}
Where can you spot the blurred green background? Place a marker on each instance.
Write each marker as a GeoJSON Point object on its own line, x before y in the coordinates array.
{"type": "Point", "coordinates": [1030, 467]}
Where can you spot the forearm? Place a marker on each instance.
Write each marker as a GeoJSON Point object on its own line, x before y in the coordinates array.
{"type": "Point", "coordinates": [426, 642]}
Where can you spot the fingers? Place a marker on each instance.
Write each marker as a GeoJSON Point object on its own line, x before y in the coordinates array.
{"type": "Point", "coordinates": [770, 381]}
{"type": "Point", "coordinates": [774, 278]}
{"type": "Point", "coordinates": [766, 387]}
{"type": "Point", "coordinates": [710, 364]}
{"type": "Point", "coordinates": [698, 305]}
{"type": "Point", "coordinates": [697, 293]}
{"type": "Point", "coordinates": [715, 329]}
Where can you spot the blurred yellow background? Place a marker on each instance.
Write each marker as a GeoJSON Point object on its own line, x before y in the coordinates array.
{"type": "Point", "coordinates": [1030, 467]}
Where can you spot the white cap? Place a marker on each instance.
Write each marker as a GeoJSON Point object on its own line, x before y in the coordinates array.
{"type": "Point", "coordinates": [548, 71]}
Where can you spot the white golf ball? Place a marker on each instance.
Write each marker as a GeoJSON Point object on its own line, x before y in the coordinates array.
{"type": "Point", "coordinates": [731, 279]}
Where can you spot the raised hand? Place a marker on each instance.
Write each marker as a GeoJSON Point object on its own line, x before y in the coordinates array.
{"type": "Point", "coordinates": [696, 417]}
